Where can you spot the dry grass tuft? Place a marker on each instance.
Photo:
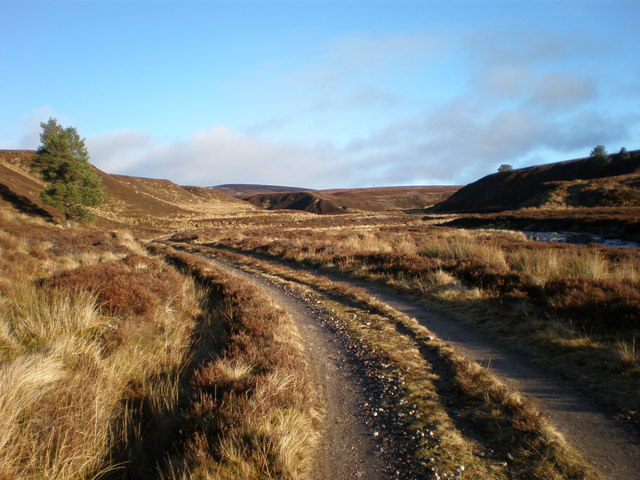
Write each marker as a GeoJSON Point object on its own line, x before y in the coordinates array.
{"type": "Point", "coordinates": [82, 388]}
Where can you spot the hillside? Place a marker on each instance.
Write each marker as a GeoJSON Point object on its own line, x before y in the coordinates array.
{"type": "Point", "coordinates": [19, 188]}
{"type": "Point", "coordinates": [129, 200]}
{"type": "Point", "coordinates": [344, 200]}
{"type": "Point", "coordinates": [573, 183]}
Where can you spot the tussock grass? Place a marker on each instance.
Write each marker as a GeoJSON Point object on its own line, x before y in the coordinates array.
{"type": "Point", "coordinates": [50, 428]}
{"type": "Point", "coordinates": [541, 266]}
{"type": "Point", "coordinates": [461, 246]}
{"type": "Point", "coordinates": [80, 380]}
{"type": "Point", "coordinates": [36, 316]}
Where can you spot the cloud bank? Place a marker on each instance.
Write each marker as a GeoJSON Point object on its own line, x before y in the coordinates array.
{"type": "Point", "coordinates": [216, 155]}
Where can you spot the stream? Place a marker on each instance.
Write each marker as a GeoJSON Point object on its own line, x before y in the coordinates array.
{"type": "Point", "coordinates": [578, 238]}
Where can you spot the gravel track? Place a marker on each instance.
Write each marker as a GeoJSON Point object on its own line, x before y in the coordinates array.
{"type": "Point", "coordinates": [610, 447]}
{"type": "Point", "coordinates": [349, 448]}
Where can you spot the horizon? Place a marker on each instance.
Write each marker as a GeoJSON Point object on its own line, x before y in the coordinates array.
{"type": "Point", "coordinates": [304, 188]}
{"type": "Point", "coordinates": [327, 95]}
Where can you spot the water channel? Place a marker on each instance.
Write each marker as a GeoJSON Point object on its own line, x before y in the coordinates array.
{"type": "Point", "coordinates": [578, 238]}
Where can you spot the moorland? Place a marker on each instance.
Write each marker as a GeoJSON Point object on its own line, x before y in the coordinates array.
{"type": "Point", "coordinates": [126, 353]}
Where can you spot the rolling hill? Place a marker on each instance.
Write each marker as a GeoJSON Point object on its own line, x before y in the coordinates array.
{"type": "Point", "coordinates": [344, 200]}
{"type": "Point", "coordinates": [583, 182]}
{"type": "Point", "coordinates": [244, 190]}
{"type": "Point", "coordinates": [128, 200]}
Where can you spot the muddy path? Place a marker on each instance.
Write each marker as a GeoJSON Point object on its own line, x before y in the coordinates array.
{"type": "Point", "coordinates": [351, 447]}
{"type": "Point", "coordinates": [610, 447]}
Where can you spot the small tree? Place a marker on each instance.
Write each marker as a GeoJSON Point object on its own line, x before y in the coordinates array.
{"type": "Point", "coordinates": [63, 162]}
{"type": "Point", "coordinates": [624, 154]}
{"type": "Point", "coordinates": [599, 156]}
{"type": "Point", "coordinates": [505, 167]}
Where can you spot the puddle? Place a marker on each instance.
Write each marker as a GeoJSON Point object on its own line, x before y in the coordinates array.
{"type": "Point", "coordinates": [578, 238]}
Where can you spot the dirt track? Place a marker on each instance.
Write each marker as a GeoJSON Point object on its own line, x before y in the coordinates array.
{"type": "Point", "coordinates": [608, 446]}
{"type": "Point", "coordinates": [348, 449]}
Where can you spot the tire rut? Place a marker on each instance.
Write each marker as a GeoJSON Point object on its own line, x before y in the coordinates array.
{"type": "Point", "coordinates": [608, 446]}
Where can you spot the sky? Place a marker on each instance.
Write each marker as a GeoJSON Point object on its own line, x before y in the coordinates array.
{"type": "Point", "coordinates": [322, 93]}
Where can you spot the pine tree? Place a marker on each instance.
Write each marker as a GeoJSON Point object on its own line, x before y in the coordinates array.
{"type": "Point", "coordinates": [624, 155]}
{"type": "Point", "coordinates": [63, 162]}
{"type": "Point", "coordinates": [599, 156]}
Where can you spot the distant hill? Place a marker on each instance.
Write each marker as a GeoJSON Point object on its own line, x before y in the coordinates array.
{"type": "Point", "coordinates": [344, 200]}
{"type": "Point", "coordinates": [242, 190]}
{"type": "Point", "coordinates": [575, 183]}
{"type": "Point", "coordinates": [308, 201]}
{"type": "Point", "coordinates": [130, 200]}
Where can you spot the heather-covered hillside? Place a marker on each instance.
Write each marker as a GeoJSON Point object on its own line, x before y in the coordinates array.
{"type": "Point", "coordinates": [585, 182]}
{"type": "Point", "coordinates": [344, 200]}
{"type": "Point", "coordinates": [128, 199]}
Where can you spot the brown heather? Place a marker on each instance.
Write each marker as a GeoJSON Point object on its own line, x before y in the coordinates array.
{"type": "Point", "coordinates": [134, 286]}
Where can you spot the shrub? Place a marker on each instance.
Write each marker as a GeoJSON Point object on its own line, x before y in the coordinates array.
{"type": "Point", "coordinates": [601, 305]}
{"type": "Point", "coordinates": [624, 155]}
{"type": "Point", "coordinates": [133, 286]}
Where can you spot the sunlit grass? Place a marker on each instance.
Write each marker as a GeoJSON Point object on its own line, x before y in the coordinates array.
{"type": "Point", "coordinates": [67, 367]}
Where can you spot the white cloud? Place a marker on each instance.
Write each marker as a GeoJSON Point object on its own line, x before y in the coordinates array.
{"type": "Point", "coordinates": [340, 122]}
{"type": "Point", "coordinates": [218, 155]}
{"type": "Point", "coordinates": [495, 46]}
{"type": "Point", "coordinates": [508, 80]}
{"type": "Point", "coordinates": [29, 127]}
{"type": "Point", "coordinates": [120, 151]}
{"type": "Point", "coordinates": [369, 55]}
{"type": "Point", "coordinates": [563, 90]}
{"type": "Point", "coordinates": [370, 97]}
{"type": "Point", "coordinates": [456, 144]}
{"type": "Point", "coordinates": [355, 72]}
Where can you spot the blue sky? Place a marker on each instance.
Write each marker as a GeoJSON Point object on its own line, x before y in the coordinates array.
{"type": "Point", "coordinates": [322, 94]}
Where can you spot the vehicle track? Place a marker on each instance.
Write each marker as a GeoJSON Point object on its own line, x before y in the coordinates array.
{"type": "Point", "coordinates": [349, 448]}
{"type": "Point", "coordinates": [610, 447]}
